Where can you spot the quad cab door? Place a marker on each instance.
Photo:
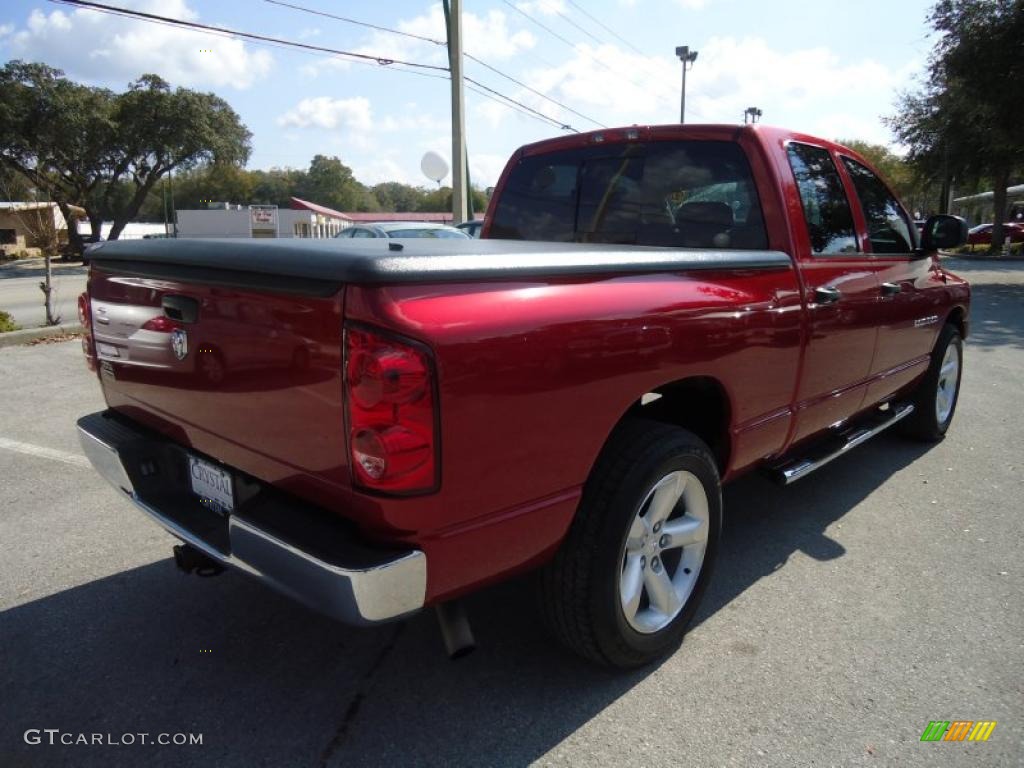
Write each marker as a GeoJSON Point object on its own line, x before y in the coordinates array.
{"type": "Point", "coordinates": [908, 313]}
{"type": "Point", "coordinates": [840, 291]}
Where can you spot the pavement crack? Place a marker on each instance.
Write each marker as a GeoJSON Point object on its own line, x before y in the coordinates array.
{"type": "Point", "coordinates": [362, 689]}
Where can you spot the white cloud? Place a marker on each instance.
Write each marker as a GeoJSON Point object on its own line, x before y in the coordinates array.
{"type": "Point", "coordinates": [353, 114]}
{"type": "Point", "coordinates": [484, 35]}
{"type": "Point", "coordinates": [109, 49]}
{"type": "Point", "coordinates": [810, 89]}
{"type": "Point", "coordinates": [485, 168]}
{"type": "Point", "coordinates": [6, 29]}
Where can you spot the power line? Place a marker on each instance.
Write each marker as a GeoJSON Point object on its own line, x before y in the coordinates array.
{"type": "Point", "coordinates": [424, 39]}
{"type": "Point", "coordinates": [382, 60]}
{"type": "Point", "coordinates": [360, 58]}
{"type": "Point", "coordinates": [572, 45]}
{"type": "Point", "coordinates": [514, 108]}
{"type": "Point", "coordinates": [543, 26]}
{"type": "Point", "coordinates": [358, 23]}
{"type": "Point", "coordinates": [573, 23]}
{"type": "Point", "coordinates": [534, 90]}
{"type": "Point", "coordinates": [607, 29]}
{"type": "Point", "coordinates": [563, 126]}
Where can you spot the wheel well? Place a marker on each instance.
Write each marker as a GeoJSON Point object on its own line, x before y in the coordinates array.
{"type": "Point", "coordinates": [956, 319]}
{"type": "Point", "coordinates": [698, 404]}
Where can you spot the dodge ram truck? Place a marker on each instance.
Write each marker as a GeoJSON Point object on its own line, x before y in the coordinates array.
{"type": "Point", "coordinates": [374, 427]}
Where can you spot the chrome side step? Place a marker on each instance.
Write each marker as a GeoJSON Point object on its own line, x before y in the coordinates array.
{"type": "Point", "coordinates": [792, 469]}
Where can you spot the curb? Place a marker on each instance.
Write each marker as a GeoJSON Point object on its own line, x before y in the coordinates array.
{"type": "Point", "coordinates": [13, 338]}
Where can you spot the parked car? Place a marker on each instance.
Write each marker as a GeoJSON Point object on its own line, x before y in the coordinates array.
{"type": "Point", "coordinates": [70, 252]}
{"type": "Point", "coordinates": [402, 229]}
{"type": "Point", "coordinates": [557, 396]}
{"type": "Point", "coordinates": [472, 228]}
{"type": "Point", "coordinates": [982, 234]}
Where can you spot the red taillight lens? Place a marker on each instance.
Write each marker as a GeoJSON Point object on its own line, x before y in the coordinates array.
{"type": "Point", "coordinates": [159, 323]}
{"type": "Point", "coordinates": [391, 413]}
{"type": "Point", "coordinates": [85, 318]}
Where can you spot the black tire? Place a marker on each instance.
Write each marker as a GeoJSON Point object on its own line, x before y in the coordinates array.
{"type": "Point", "coordinates": [579, 588]}
{"type": "Point", "coordinates": [924, 423]}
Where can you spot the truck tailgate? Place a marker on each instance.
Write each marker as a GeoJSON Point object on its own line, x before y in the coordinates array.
{"type": "Point", "coordinates": [247, 375]}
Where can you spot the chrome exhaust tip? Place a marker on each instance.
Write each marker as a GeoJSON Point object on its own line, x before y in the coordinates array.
{"type": "Point", "coordinates": [191, 560]}
{"type": "Point", "coordinates": [455, 631]}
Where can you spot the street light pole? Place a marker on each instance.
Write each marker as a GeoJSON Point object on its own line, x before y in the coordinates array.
{"type": "Point", "coordinates": [753, 113]}
{"type": "Point", "coordinates": [687, 57]}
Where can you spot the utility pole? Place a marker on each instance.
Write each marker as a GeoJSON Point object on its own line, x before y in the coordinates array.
{"type": "Point", "coordinates": [687, 57]}
{"type": "Point", "coordinates": [460, 187]}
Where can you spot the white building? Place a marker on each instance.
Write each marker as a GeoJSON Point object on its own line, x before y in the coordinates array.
{"type": "Point", "coordinates": [303, 219]}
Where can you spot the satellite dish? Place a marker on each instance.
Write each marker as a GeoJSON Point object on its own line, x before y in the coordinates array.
{"type": "Point", "coordinates": [434, 167]}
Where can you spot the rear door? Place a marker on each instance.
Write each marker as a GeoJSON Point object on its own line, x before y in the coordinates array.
{"type": "Point", "coordinates": [840, 289]}
{"type": "Point", "coordinates": [908, 312]}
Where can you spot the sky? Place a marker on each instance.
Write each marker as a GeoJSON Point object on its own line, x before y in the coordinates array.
{"type": "Point", "coordinates": [830, 68]}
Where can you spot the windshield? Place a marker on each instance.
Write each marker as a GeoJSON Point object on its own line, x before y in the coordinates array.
{"type": "Point", "coordinates": [695, 194]}
{"type": "Point", "coordinates": [441, 233]}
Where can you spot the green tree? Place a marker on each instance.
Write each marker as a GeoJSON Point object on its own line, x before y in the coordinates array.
{"type": "Point", "coordinates": [395, 196]}
{"type": "Point", "coordinates": [276, 186]}
{"type": "Point", "coordinates": [105, 151]}
{"type": "Point", "coordinates": [440, 200]}
{"type": "Point", "coordinates": [968, 117]}
{"type": "Point", "coordinates": [330, 182]}
{"type": "Point", "coordinates": [892, 167]}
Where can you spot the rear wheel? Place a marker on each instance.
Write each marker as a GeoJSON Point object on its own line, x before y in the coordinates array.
{"type": "Point", "coordinates": [629, 576]}
{"type": "Point", "coordinates": [936, 396]}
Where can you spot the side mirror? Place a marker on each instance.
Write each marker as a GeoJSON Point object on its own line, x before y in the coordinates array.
{"type": "Point", "coordinates": [943, 231]}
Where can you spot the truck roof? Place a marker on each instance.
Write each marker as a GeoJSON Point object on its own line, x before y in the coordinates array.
{"type": "Point", "coordinates": [764, 134]}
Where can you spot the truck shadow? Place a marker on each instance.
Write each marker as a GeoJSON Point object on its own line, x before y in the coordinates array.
{"type": "Point", "coordinates": [997, 302]}
{"type": "Point", "coordinates": [998, 315]}
{"type": "Point", "coordinates": [11, 269]}
{"type": "Point", "coordinates": [149, 650]}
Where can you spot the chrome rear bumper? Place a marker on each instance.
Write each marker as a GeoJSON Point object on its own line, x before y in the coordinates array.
{"type": "Point", "coordinates": [297, 549]}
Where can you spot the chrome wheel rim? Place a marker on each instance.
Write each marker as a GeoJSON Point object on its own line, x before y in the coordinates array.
{"type": "Point", "coordinates": [949, 376]}
{"type": "Point", "coordinates": [663, 552]}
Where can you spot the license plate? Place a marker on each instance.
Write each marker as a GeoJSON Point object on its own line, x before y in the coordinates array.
{"type": "Point", "coordinates": [107, 350]}
{"type": "Point", "coordinates": [211, 484]}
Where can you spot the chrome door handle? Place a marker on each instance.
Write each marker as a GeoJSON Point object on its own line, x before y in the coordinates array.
{"type": "Point", "coordinates": [890, 289]}
{"type": "Point", "coordinates": [827, 295]}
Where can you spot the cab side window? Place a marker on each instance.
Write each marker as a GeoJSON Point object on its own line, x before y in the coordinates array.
{"type": "Point", "coordinates": [826, 209]}
{"type": "Point", "coordinates": [888, 227]}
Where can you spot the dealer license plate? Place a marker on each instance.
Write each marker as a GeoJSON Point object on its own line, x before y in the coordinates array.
{"type": "Point", "coordinates": [211, 484]}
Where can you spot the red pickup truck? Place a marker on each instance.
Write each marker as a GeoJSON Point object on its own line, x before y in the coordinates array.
{"type": "Point", "coordinates": [372, 427]}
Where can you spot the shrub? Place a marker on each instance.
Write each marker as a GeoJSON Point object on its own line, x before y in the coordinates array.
{"type": "Point", "coordinates": [7, 323]}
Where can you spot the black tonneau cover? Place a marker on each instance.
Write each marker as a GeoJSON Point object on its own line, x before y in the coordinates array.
{"type": "Point", "coordinates": [419, 260]}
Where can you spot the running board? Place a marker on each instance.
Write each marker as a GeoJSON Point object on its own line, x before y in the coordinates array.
{"type": "Point", "coordinates": [821, 453]}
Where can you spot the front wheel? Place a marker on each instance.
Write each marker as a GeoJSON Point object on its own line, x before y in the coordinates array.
{"type": "Point", "coordinates": [936, 396]}
{"type": "Point", "coordinates": [627, 580]}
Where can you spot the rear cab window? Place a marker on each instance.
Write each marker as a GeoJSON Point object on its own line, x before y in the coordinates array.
{"type": "Point", "coordinates": [690, 194]}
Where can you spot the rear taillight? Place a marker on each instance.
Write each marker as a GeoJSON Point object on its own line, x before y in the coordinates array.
{"type": "Point", "coordinates": [85, 318]}
{"type": "Point", "coordinates": [391, 408]}
{"type": "Point", "coordinates": [160, 323]}
{"type": "Point", "coordinates": [83, 310]}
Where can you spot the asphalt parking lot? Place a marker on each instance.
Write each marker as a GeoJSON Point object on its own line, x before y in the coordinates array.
{"type": "Point", "coordinates": [847, 611]}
